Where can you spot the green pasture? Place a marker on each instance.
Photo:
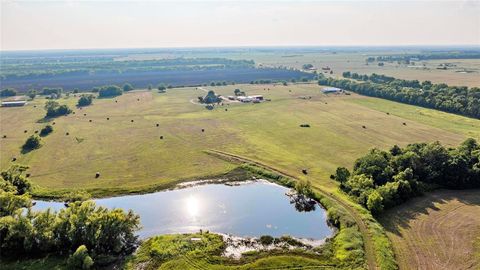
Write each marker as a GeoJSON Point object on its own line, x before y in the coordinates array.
{"type": "Point", "coordinates": [130, 156]}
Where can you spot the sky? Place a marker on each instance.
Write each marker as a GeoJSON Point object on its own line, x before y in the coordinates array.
{"type": "Point", "coordinates": [32, 25]}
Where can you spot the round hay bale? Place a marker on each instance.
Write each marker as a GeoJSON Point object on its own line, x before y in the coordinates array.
{"type": "Point", "coordinates": [404, 123]}
{"type": "Point", "coordinates": [34, 106]}
{"type": "Point", "coordinates": [53, 123]}
{"type": "Point", "coordinates": [304, 171]}
{"type": "Point", "coordinates": [66, 134]}
{"type": "Point", "coordinates": [97, 174]}
{"type": "Point", "coordinates": [27, 175]}
{"type": "Point", "coordinates": [108, 118]}
{"type": "Point", "coordinates": [132, 120]}
{"type": "Point", "coordinates": [36, 131]}
{"type": "Point", "coordinates": [161, 137]}
{"type": "Point", "coordinates": [84, 114]}
{"type": "Point", "coordinates": [116, 101]}
{"type": "Point", "coordinates": [14, 159]}
{"type": "Point", "coordinates": [203, 130]}
{"type": "Point", "coordinates": [158, 125]}
{"type": "Point", "coordinates": [364, 127]}
{"type": "Point", "coordinates": [90, 120]}
{"type": "Point", "coordinates": [25, 131]}
{"type": "Point", "coordinates": [4, 136]}
{"type": "Point", "coordinates": [226, 110]}
{"type": "Point", "coordinates": [388, 113]}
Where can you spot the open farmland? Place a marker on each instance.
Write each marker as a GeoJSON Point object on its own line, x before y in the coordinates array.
{"type": "Point", "coordinates": [462, 72]}
{"type": "Point", "coordinates": [437, 231]}
{"type": "Point", "coordinates": [83, 71]}
{"type": "Point", "coordinates": [131, 156]}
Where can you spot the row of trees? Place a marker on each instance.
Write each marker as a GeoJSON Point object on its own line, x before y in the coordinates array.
{"type": "Point", "coordinates": [104, 233]}
{"type": "Point", "coordinates": [383, 179]}
{"type": "Point", "coordinates": [8, 92]}
{"type": "Point", "coordinates": [427, 56]}
{"type": "Point", "coordinates": [454, 99]}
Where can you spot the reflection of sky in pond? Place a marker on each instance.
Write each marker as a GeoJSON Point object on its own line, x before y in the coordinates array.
{"type": "Point", "coordinates": [252, 209]}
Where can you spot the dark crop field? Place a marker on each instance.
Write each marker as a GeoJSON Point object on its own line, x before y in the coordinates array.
{"type": "Point", "coordinates": [141, 79]}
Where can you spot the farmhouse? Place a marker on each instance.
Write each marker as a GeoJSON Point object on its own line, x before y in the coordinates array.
{"type": "Point", "coordinates": [328, 90]}
{"type": "Point", "coordinates": [16, 103]}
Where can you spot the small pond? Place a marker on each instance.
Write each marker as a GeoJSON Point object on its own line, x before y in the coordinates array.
{"type": "Point", "coordinates": [250, 209]}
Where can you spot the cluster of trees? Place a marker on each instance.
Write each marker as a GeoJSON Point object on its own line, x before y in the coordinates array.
{"type": "Point", "coordinates": [127, 87]}
{"type": "Point", "coordinates": [239, 92]}
{"type": "Point", "coordinates": [49, 91]}
{"type": "Point", "coordinates": [307, 66]}
{"type": "Point", "coordinates": [103, 233]}
{"type": "Point", "coordinates": [162, 88]}
{"type": "Point", "coordinates": [54, 109]}
{"type": "Point", "coordinates": [109, 91]}
{"type": "Point", "coordinates": [454, 99]}
{"type": "Point", "coordinates": [210, 98]}
{"type": "Point", "coordinates": [383, 179]}
{"type": "Point", "coordinates": [85, 100]}
{"type": "Point", "coordinates": [8, 92]}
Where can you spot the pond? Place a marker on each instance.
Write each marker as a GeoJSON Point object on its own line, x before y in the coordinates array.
{"type": "Point", "coordinates": [251, 209]}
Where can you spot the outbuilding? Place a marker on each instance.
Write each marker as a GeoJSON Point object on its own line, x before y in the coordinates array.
{"type": "Point", "coordinates": [328, 90]}
{"type": "Point", "coordinates": [16, 103]}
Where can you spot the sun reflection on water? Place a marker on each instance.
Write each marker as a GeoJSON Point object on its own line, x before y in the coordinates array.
{"type": "Point", "coordinates": [192, 206]}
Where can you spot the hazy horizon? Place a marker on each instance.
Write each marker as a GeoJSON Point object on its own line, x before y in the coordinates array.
{"type": "Point", "coordinates": [66, 25]}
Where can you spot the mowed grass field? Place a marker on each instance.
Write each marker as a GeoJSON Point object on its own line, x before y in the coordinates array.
{"type": "Point", "coordinates": [130, 156]}
{"type": "Point", "coordinates": [440, 230]}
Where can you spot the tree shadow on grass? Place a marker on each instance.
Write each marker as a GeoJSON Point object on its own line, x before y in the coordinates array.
{"type": "Point", "coordinates": [399, 217]}
{"type": "Point", "coordinates": [45, 120]}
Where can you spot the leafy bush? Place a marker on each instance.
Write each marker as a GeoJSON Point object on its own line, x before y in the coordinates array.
{"type": "Point", "coordinates": [266, 240]}
{"type": "Point", "coordinates": [46, 130]}
{"type": "Point", "coordinates": [127, 87]}
{"type": "Point", "coordinates": [33, 142]}
{"type": "Point", "coordinates": [85, 100]}
{"type": "Point", "coordinates": [110, 91]}
{"type": "Point", "coordinates": [80, 259]}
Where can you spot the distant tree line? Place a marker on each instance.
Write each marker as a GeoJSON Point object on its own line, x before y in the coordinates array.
{"type": "Point", "coordinates": [454, 99]}
{"type": "Point", "coordinates": [8, 92]}
{"type": "Point", "coordinates": [383, 179]}
{"type": "Point", "coordinates": [48, 68]}
{"type": "Point", "coordinates": [427, 56]}
{"type": "Point", "coordinates": [92, 231]}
